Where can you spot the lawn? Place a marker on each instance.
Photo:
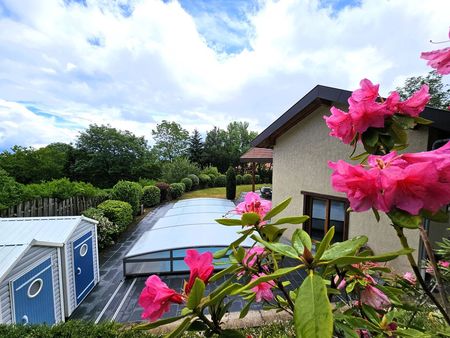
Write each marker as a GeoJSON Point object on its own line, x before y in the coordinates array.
{"type": "Point", "coordinates": [220, 192]}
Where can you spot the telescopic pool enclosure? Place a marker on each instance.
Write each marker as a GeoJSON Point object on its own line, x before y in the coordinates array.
{"type": "Point", "coordinates": [189, 224]}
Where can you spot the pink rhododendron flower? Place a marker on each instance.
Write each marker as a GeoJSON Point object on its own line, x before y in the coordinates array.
{"type": "Point", "coordinates": [363, 333]}
{"type": "Point", "coordinates": [252, 255]}
{"type": "Point", "coordinates": [410, 182]}
{"type": "Point", "coordinates": [367, 92]}
{"type": "Point", "coordinates": [342, 284]}
{"type": "Point", "coordinates": [375, 298]}
{"type": "Point", "coordinates": [156, 298]}
{"type": "Point", "coordinates": [366, 114]}
{"type": "Point", "coordinates": [414, 105]}
{"type": "Point", "coordinates": [341, 125]}
{"type": "Point", "coordinates": [444, 264]}
{"type": "Point", "coordinates": [410, 278]}
{"type": "Point", "coordinates": [254, 203]}
{"type": "Point", "coordinates": [438, 59]}
{"type": "Point", "coordinates": [263, 290]}
{"type": "Point", "coordinates": [200, 265]}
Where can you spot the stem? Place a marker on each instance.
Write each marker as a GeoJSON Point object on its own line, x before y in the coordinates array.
{"type": "Point", "coordinates": [286, 294]}
{"type": "Point", "coordinates": [437, 273]}
{"type": "Point", "coordinates": [209, 323]}
{"type": "Point", "coordinates": [416, 270]}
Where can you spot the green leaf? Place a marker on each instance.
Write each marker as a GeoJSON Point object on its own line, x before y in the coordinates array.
{"type": "Point", "coordinates": [361, 157]}
{"type": "Point", "coordinates": [221, 253]}
{"type": "Point", "coordinates": [250, 218]}
{"type": "Point", "coordinates": [281, 248]}
{"type": "Point", "coordinates": [231, 334]}
{"type": "Point", "coordinates": [405, 122]}
{"type": "Point", "coordinates": [272, 232]}
{"type": "Point", "coordinates": [421, 120]}
{"type": "Point", "coordinates": [245, 310]}
{"type": "Point", "coordinates": [196, 294]}
{"type": "Point", "coordinates": [291, 220]}
{"type": "Point", "coordinates": [400, 136]}
{"type": "Point", "coordinates": [197, 325]}
{"type": "Point", "coordinates": [404, 219]}
{"type": "Point", "coordinates": [440, 216]}
{"type": "Point", "coordinates": [229, 270]}
{"type": "Point", "coordinates": [301, 239]}
{"type": "Point", "coordinates": [324, 244]}
{"type": "Point", "coordinates": [149, 326]}
{"type": "Point", "coordinates": [357, 322]}
{"type": "Point", "coordinates": [229, 221]}
{"type": "Point", "coordinates": [377, 214]}
{"type": "Point", "coordinates": [279, 273]}
{"type": "Point", "coordinates": [371, 314]}
{"type": "Point", "coordinates": [180, 329]}
{"type": "Point", "coordinates": [312, 314]}
{"type": "Point", "coordinates": [370, 137]}
{"type": "Point", "coordinates": [346, 248]}
{"type": "Point", "coordinates": [224, 292]}
{"type": "Point", "coordinates": [346, 260]}
{"type": "Point", "coordinates": [279, 208]}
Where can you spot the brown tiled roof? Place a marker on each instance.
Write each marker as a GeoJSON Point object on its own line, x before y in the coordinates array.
{"type": "Point", "coordinates": [262, 155]}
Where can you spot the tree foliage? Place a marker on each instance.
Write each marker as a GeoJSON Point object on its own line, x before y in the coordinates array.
{"type": "Point", "coordinates": [171, 140]}
{"type": "Point", "coordinates": [195, 149]}
{"type": "Point", "coordinates": [439, 91]}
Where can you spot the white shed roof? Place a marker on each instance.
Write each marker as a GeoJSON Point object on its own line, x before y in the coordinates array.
{"type": "Point", "coordinates": [54, 230]}
{"type": "Point", "coordinates": [190, 224]}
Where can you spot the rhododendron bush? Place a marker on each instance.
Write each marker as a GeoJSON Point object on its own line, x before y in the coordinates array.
{"type": "Point", "coordinates": [346, 290]}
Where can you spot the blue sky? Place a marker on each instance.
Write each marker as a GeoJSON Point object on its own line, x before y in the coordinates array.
{"type": "Point", "coordinates": [202, 63]}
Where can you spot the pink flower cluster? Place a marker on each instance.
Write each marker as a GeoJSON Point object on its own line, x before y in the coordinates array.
{"type": "Point", "coordinates": [440, 264]}
{"type": "Point", "coordinates": [366, 111]}
{"type": "Point", "coordinates": [439, 59]}
{"type": "Point", "coordinates": [263, 290]}
{"type": "Point", "coordinates": [254, 203]}
{"type": "Point", "coordinates": [410, 278]}
{"type": "Point", "coordinates": [410, 182]}
{"type": "Point", "coordinates": [157, 297]}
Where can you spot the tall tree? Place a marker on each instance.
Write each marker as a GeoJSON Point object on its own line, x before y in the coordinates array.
{"type": "Point", "coordinates": [107, 155]}
{"type": "Point", "coordinates": [439, 91]}
{"type": "Point", "coordinates": [215, 149]}
{"type": "Point", "coordinates": [195, 149]}
{"type": "Point", "coordinates": [171, 140]}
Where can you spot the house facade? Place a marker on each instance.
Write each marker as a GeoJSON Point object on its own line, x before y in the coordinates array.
{"type": "Point", "coordinates": [302, 148]}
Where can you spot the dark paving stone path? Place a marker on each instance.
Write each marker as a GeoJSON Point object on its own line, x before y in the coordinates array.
{"type": "Point", "coordinates": [116, 298]}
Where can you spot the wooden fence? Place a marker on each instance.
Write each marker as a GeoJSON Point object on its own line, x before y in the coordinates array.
{"type": "Point", "coordinates": [51, 207]}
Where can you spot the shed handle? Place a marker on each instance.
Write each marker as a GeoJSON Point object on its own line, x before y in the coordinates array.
{"type": "Point", "coordinates": [25, 319]}
{"type": "Point", "coordinates": [78, 271]}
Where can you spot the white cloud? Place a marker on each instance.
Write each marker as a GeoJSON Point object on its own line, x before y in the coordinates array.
{"type": "Point", "coordinates": [155, 65]}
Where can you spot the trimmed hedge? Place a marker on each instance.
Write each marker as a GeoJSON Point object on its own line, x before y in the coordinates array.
{"type": "Point", "coordinates": [220, 181]}
{"type": "Point", "coordinates": [247, 179]}
{"type": "Point", "coordinates": [118, 212]}
{"type": "Point", "coordinates": [238, 179]}
{"type": "Point", "coordinates": [176, 190]}
{"type": "Point", "coordinates": [195, 180]}
{"type": "Point", "coordinates": [205, 180]}
{"type": "Point", "coordinates": [213, 180]}
{"type": "Point", "coordinates": [130, 192]}
{"type": "Point", "coordinates": [107, 231]}
{"type": "Point", "coordinates": [151, 196]}
{"type": "Point", "coordinates": [188, 183]}
{"type": "Point", "coordinates": [164, 190]}
{"type": "Point", "coordinates": [231, 183]}
{"type": "Point", "coordinates": [10, 191]}
{"type": "Point", "coordinates": [257, 179]}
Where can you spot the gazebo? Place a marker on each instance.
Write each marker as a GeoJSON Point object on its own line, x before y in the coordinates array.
{"type": "Point", "coordinates": [257, 155]}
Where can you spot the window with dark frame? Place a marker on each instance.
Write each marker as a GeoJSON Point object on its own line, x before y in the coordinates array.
{"type": "Point", "coordinates": [325, 211]}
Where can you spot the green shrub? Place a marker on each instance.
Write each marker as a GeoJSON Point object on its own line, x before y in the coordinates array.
{"type": "Point", "coordinates": [146, 182]}
{"type": "Point", "coordinates": [195, 180]}
{"type": "Point", "coordinates": [247, 179]}
{"type": "Point", "coordinates": [257, 179]}
{"type": "Point", "coordinates": [231, 183]}
{"type": "Point", "coordinates": [239, 179]}
{"type": "Point", "coordinates": [213, 180]}
{"type": "Point", "coordinates": [176, 190]}
{"type": "Point", "coordinates": [183, 185]}
{"type": "Point", "coordinates": [130, 192]}
{"type": "Point", "coordinates": [220, 181]}
{"type": "Point", "coordinates": [151, 196]}
{"type": "Point", "coordinates": [188, 183]}
{"type": "Point", "coordinates": [11, 192]}
{"type": "Point", "coordinates": [210, 170]}
{"type": "Point", "coordinates": [118, 212]}
{"type": "Point", "coordinates": [164, 190]}
{"type": "Point", "coordinates": [205, 180]}
{"type": "Point", "coordinates": [73, 329]}
{"type": "Point", "coordinates": [177, 169]}
{"type": "Point", "coordinates": [107, 231]}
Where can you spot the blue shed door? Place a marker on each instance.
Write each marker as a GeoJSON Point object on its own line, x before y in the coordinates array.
{"type": "Point", "coordinates": [83, 259]}
{"type": "Point", "coordinates": [33, 296]}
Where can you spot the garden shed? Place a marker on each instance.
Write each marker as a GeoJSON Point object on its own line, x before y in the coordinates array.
{"type": "Point", "coordinates": [30, 282]}
{"type": "Point", "coordinates": [76, 239]}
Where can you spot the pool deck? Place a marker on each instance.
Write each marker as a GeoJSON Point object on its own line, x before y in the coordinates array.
{"type": "Point", "coordinates": [116, 298]}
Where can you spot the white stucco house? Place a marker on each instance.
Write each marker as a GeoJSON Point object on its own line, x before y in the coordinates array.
{"type": "Point", "coordinates": [301, 149]}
